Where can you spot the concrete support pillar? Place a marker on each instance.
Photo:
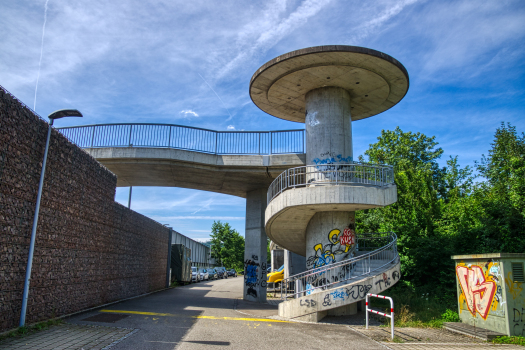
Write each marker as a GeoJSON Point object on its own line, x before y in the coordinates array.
{"type": "Point", "coordinates": [330, 236]}
{"type": "Point", "coordinates": [328, 126]}
{"type": "Point", "coordinates": [255, 247]}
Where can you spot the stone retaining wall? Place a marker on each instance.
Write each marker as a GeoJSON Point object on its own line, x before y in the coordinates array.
{"type": "Point", "coordinates": [89, 249]}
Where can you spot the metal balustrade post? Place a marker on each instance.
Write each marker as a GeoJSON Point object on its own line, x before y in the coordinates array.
{"type": "Point", "coordinates": [271, 142]}
{"type": "Point", "coordinates": [130, 131]}
{"type": "Point", "coordinates": [93, 136]}
{"type": "Point", "coordinates": [216, 137]}
{"type": "Point", "coordinates": [169, 138]}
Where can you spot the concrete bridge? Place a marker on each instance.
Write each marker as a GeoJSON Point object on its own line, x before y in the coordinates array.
{"type": "Point", "coordinates": [302, 187]}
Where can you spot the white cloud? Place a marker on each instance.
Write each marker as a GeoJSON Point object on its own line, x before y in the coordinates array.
{"type": "Point", "coordinates": [188, 113]}
{"type": "Point", "coordinates": [259, 36]}
{"type": "Point", "coordinates": [230, 127]}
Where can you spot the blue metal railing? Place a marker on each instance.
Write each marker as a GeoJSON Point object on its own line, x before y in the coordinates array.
{"type": "Point", "coordinates": [186, 138]}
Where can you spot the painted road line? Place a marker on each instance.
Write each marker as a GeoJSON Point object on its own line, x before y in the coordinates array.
{"type": "Point", "coordinates": [198, 317]}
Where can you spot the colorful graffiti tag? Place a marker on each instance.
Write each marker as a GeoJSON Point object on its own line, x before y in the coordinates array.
{"type": "Point", "coordinates": [340, 243]}
{"type": "Point", "coordinates": [478, 289]}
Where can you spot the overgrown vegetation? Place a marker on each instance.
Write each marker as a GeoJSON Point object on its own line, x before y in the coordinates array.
{"type": "Point", "coordinates": [412, 309]}
{"type": "Point", "coordinates": [510, 340]}
{"type": "Point", "coordinates": [445, 211]}
{"type": "Point", "coordinates": [27, 330]}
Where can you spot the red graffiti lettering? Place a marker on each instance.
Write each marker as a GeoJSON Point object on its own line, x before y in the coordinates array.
{"type": "Point", "coordinates": [347, 238]}
{"type": "Point", "coordinates": [478, 292]}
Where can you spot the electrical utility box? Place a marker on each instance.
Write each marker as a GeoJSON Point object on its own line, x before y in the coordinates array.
{"type": "Point", "coordinates": [180, 263]}
{"type": "Point", "coordinates": [491, 291]}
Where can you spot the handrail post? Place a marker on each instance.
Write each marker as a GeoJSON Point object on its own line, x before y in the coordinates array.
{"type": "Point", "coordinates": [130, 131]}
{"type": "Point", "coordinates": [271, 143]}
{"type": "Point", "coordinates": [93, 136]}
{"type": "Point", "coordinates": [169, 138]}
{"type": "Point", "coordinates": [216, 137]}
{"type": "Point", "coordinates": [259, 143]}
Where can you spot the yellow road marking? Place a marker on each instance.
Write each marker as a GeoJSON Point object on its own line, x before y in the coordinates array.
{"type": "Point", "coordinates": [201, 317]}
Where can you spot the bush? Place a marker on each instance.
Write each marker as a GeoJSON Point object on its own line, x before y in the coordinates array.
{"type": "Point", "coordinates": [450, 316]}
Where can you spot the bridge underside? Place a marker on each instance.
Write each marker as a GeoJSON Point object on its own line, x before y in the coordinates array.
{"type": "Point", "coordinates": [229, 174]}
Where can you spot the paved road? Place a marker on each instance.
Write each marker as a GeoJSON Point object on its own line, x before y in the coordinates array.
{"type": "Point", "coordinates": [204, 316]}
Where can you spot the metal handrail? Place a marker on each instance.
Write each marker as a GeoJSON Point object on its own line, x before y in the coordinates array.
{"type": "Point", "coordinates": [354, 173]}
{"type": "Point", "coordinates": [186, 138]}
{"type": "Point", "coordinates": [321, 278]}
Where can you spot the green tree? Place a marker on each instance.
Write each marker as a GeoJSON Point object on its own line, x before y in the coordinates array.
{"type": "Point", "coordinates": [227, 245]}
{"type": "Point", "coordinates": [423, 189]}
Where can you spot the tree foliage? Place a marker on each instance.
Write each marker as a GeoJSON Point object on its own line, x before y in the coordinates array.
{"type": "Point", "coordinates": [227, 246]}
{"type": "Point", "coordinates": [443, 211]}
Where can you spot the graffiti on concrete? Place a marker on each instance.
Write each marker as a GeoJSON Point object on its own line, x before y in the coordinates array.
{"type": "Point", "coordinates": [311, 119]}
{"type": "Point", "coordinates": [395, 275]}
{"type": "Point", "coordinates": [339, 244]}
{"type": "Point", "coordinates": [254, 275]}
{"type": "Point", "coordinates": [308, 302]}
{"type": "Point", "coordinates": [518, 321]}
{"type": "Point", "coordinates": [251, 277]}
{"type": "Point", "coordinates": [478, 289]}
{"type": "Point", "coordinates": [384, 282]}
{"type": "Point", "coordinates": [326, 301]}
{"type": "Point", "coordinates": [332, 159]}
{"type": "Point", "coordinates": [514, 288]}
{"type": "Point", "coordinates": [354, 293]}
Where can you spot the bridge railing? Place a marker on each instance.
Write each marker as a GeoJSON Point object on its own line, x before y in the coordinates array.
{"type": "Point", "coordinates": [360, 174]}
{"type": "Point", "coordinates": [186, 138]}
{"type": "Point", "coordinates": [375, 252]}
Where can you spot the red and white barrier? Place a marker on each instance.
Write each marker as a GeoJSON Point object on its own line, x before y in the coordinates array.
{"type": "Point", "coordinates": [390, 316]}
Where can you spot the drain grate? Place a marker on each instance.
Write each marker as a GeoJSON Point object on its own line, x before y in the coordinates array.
{"type": "Point", "coordinates": [105, 318]}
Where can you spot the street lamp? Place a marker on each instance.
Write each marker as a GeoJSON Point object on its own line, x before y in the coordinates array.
{"type": "Point", "coordinates": [55, 115]}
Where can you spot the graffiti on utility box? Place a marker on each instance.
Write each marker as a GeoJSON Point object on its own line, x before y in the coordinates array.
{"type": "Point", "coordinates": [479, 289]}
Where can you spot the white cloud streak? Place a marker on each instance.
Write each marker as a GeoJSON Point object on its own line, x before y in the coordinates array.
{"type": "Point", "coordinates": [254, 42]}
{"type": "Point", "coordinates": [41, 53]}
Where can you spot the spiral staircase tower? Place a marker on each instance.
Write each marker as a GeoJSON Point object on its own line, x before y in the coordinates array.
{"type": "Point", "coordinates": [311, 210]}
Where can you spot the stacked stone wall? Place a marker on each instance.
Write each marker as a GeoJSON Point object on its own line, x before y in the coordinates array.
{"type": "Point", "coordinates": [89, 249]}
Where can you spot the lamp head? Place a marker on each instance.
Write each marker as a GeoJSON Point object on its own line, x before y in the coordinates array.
{"type": "Point", "coordinates": [64, 113]}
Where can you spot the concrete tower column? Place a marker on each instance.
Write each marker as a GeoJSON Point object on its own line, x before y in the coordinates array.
{"type": "Point", "coordinates": [255, 247]}
{"type": "Point", "coordinates": [328, 126]}
{"type": "Point", "coordinates": [329, 143]}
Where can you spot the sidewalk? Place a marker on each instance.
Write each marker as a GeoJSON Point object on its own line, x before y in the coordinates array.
{"type": "Point", "coordinates": [69, 336]}
{"type": "Point", "coordinates": [212, 315]}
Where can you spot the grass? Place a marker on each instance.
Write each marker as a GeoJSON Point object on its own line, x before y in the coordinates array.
{"type": "Point", "coordinates": [510, 340]}
{"type": "Point", "coordinates": [174, 284]}
{"type": "Point", "coordinates": [413, 309]}
{"type": "Point", "coordinates": [27, 330]}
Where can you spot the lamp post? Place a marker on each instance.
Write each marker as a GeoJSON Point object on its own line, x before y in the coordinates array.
{"type": "Point", "coordinates": [55, 115]}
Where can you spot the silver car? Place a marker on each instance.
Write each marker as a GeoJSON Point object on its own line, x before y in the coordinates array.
{"type": "Point", "coordinates": [195, 276]}
{"type": "Point", "coordinates": [204, 275]}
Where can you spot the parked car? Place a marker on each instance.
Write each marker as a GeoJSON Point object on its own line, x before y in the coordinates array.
{"type": "Point", "coordinates": [195, 276]}
{"type": "Point", "coordinates": [232, 273]}
{"type": "Point", "coordinates": [204, 275]}
{"type": "Point", "coordinates": [221, 271]}
{"type": "Point", "coordinates": [212, 273]}
{"type": "Point", "coordinates": [276, 277]}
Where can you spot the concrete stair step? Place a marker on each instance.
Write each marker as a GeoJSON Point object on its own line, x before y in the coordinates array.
{"type": "Point", "coordinates": [476, 332]}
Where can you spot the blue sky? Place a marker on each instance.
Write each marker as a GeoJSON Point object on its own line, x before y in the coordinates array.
{"type": "Point", "coordinates": [158, 61]}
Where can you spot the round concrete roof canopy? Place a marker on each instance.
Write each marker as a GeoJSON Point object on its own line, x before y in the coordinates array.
{"type": "Point", "coordinates": [375, 81]}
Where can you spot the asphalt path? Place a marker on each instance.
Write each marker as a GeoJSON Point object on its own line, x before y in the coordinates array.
{"type": "Point", "coordinates": [206, 315]}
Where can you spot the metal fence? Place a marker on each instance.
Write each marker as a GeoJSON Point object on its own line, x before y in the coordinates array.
{"type": "Point", "coordinates": [332, 174]}
{"type": "Point", "coordinates": [375, 252]}
{"type": "Point", "coordinates": [186, 138]}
